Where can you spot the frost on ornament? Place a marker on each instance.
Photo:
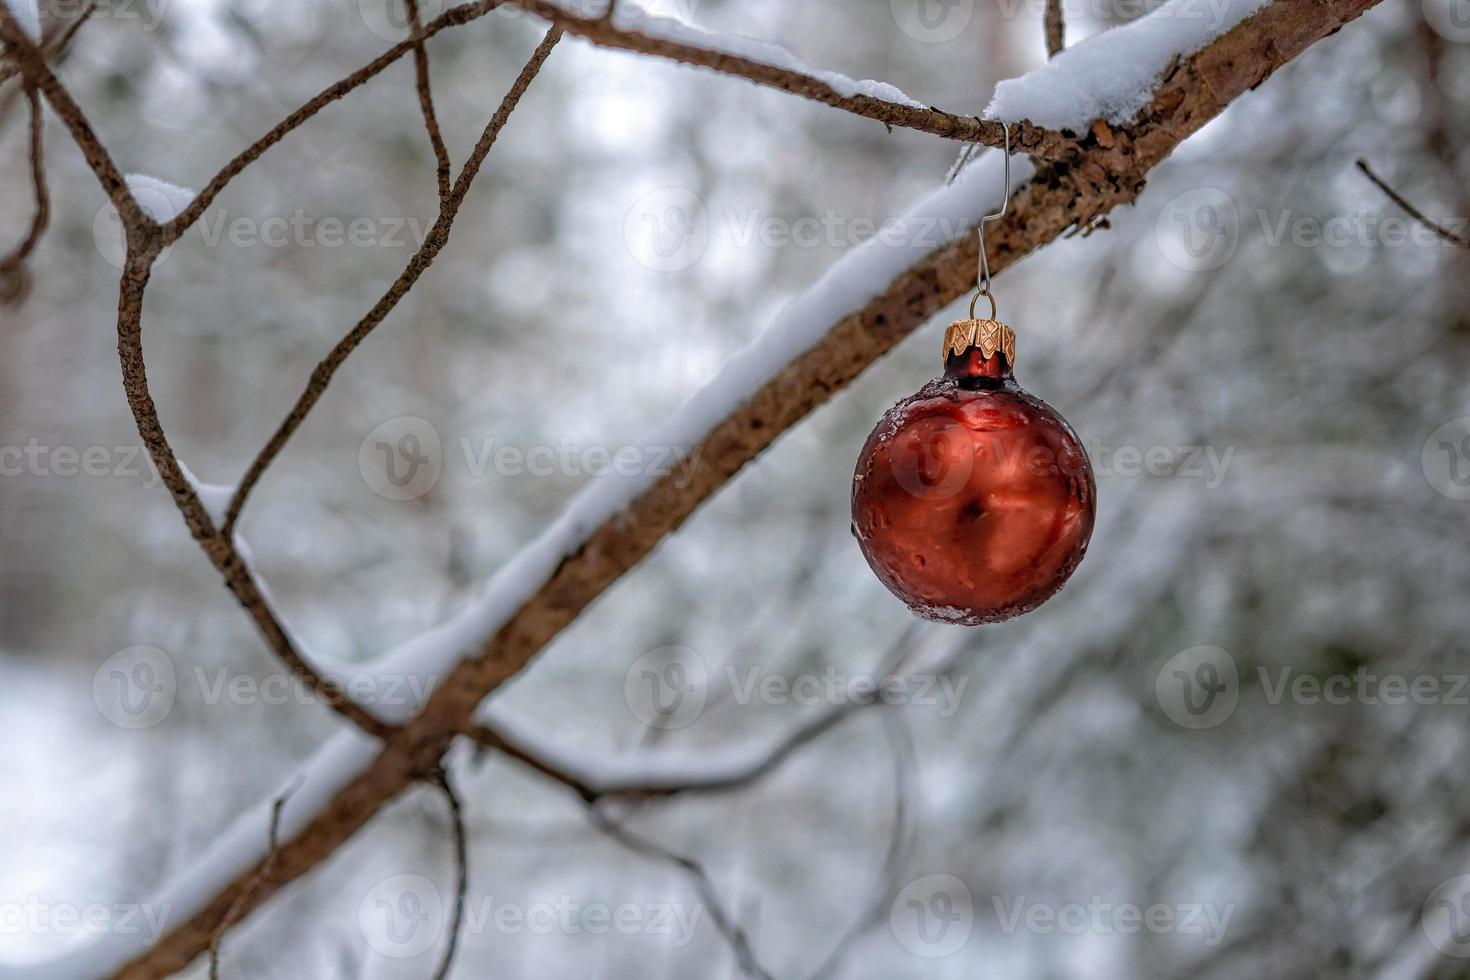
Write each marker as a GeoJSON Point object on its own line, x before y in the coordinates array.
{"type": "Point", "coordinates": [973, 501]}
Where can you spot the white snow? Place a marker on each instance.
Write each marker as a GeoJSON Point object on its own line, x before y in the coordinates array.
{"type": "Point", "coordinates": [1113, 75]}
{"type": "Point", "coordinates": [159, 199]}
{"type": "Point", "coordinates": [644, 19]}
{"type": "Point", "coordinates": [214, 496]}
{"type": "Point", "coordinates": [27, 15]}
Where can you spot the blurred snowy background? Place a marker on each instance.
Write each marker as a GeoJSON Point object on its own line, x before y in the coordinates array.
{"type": "Point", "coordinates": [1269, 372]}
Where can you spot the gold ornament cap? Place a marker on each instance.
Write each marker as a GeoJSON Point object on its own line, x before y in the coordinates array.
{"type": "Point", "coordinates": [988, 335]}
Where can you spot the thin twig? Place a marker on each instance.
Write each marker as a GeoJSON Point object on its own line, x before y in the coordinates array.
{"type": "Point", "coordinates": [726, 923]}
{"type": "Point", "coordinates": [644, 787]}
{"type": "Point", "coordinates": [453, 17]}
{"type": "Point", "coordinates": [1415, 213]}
{"type": "Point", "coordinates": [900, 843]}
{"type": "Point", "coordinates": [52, 49]}
{"type": "Point", "coordinates": [11, 264]}
{"type": "Point", "coordinates": [426, 102]}
{"type": "Point", "coordinates": [602, 30]}
{"type": "Point", "coordinates": [32, 64]}
{"type": "Point", "coordinates": [1056, 28]}
{"type": "Point", "coordinates": [440, 778]}
{"type": "Point", "coordinates": [434, 241]}
{"type": "Point", "coordinates": [238, 907]}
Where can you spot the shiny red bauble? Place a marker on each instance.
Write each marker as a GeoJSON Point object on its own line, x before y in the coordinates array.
{"type": "Point", "coordinates": [973, 501]}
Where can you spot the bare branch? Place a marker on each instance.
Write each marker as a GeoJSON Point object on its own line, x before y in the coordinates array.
{"type": "Point", "coordinates": [453, 17]}
{"type": "Point", "coordinates": [33, 67]}
{"type": "Point", "coordinates": [724, 921]}
{"type": "Point", "coordinates": [220, 550]}
{"type": "Point", "coordinates": [1414, 212]}
{"type": "Point", "coordinates": [53, 48]}
{"type": "Point", "coordinates": [12, 265]}
{"type": "Point", "coordinates": [648, 785]}
{"type": "Point", "coordinates": [439, 777]}
{"type": "Point", "coordinates": [434, 241]}
{"type": "Point", "coordinates": [1056, 28]}
{"type": "Point", "coordinates": [236, 910]}
{"type": "Point", "coordinates": [426, 102]}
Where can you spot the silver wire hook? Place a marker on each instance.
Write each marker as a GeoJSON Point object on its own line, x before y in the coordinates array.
{"type": "Point", "coordinates": [982, 278]}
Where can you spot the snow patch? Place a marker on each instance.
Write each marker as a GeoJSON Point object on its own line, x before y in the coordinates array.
{"type": "Point", "coordinates": [215, 497]}
{"type": "Point", "coordinates": [159, 199]}
{"type": "Point", "coordinates": [1113, 75]}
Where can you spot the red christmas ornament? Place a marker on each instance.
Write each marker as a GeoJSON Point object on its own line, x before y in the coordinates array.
{"type": "Point", "coordinates": [973, 501]}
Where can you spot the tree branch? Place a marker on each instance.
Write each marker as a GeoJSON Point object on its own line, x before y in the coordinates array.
{"type": "Point", "coordinates": [1056, 28]}
{"type": "Point", "coordinates": [32, 63]}
{"type": "Point", "coordinates": [434, 242]}
{"type": "Point", "coordinates": [602, 30]}
{"type": "Point", "coordinates": [426, 103]}
{"type": "Point", "coordinates": [12, 272]}
{"type": "Point", "coordinates": [1414, 212]}
{"type": "Point", "coordinates": [440, 778]}
{"type": "Point", "coordinates": [453, 17]}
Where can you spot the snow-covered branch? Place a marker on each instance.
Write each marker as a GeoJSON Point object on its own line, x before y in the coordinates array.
{"type": "Point", "coordinates": [630, 27]}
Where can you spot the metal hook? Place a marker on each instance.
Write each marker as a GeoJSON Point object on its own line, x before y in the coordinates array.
{"type": "Point", "coordinates": [983, 275]}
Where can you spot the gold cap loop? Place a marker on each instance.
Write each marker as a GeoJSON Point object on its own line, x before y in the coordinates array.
{"type": "Point", "coordinates": [988, 335]}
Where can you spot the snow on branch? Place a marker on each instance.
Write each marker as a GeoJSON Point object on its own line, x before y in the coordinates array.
{"type": "Point", "coordinates": [631, 27]}
{"type": "Point", "coordinates": [1114, 75]}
